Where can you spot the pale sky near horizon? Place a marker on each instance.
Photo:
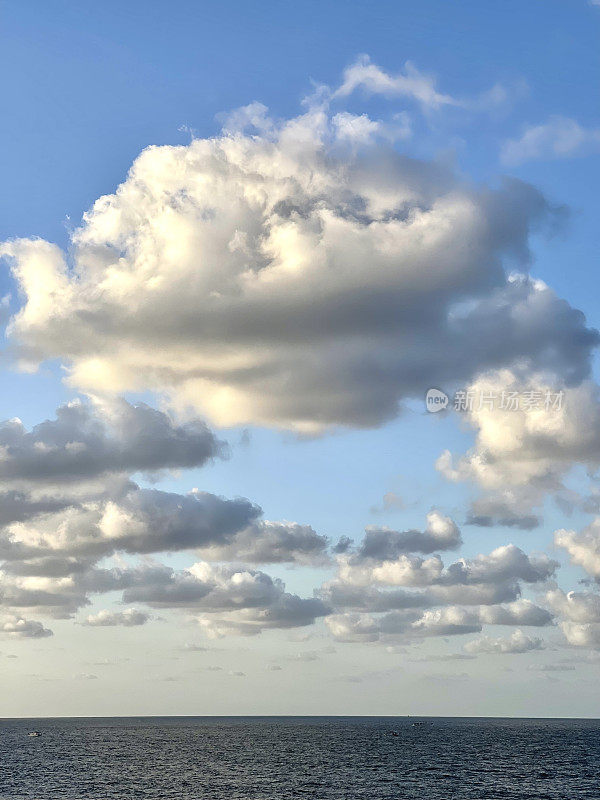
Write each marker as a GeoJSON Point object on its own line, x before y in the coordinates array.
{"type": "Point", "coordinates": [238, 247]}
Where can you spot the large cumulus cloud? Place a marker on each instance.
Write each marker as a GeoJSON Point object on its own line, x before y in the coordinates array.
{"type": "Point", "coordinates": [282, 277]}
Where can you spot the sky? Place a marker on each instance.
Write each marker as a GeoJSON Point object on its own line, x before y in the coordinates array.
{"type": "Point", "coordinates": [240, 247]}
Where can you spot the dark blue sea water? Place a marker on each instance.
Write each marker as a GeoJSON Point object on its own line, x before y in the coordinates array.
{"type": "Point", "coordinates": [231, 758]}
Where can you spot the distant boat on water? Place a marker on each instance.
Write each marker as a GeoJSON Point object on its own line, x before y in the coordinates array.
{"type": "Point", "coordinates": [34, 733]}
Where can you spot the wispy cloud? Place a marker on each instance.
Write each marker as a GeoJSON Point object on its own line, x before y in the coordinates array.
{"type": "Point", "coordinates": [365, 75]}
{"type": "Point", "coordinates": [559, 137]}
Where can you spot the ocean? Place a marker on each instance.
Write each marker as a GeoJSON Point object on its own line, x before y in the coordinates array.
{"type": "Point", "coordinates": [276, 758]}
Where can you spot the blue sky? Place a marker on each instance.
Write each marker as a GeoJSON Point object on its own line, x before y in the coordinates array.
{"type": "Point", "coordinates": [87, 86]}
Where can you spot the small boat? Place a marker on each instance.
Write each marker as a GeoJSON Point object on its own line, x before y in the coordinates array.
{"type": "Point", "coordinates": [34, 733]}
{"type": "Point", "coordinates": [417, 724]}
{"type": "Point", "coordinates": [395, 733]}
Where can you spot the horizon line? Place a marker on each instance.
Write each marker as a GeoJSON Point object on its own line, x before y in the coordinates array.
{"type": "Point", "coordinates": [293, 716]}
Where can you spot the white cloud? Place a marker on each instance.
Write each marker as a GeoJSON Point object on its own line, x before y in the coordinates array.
{"type": "Point", "coordinates": [353, 627]}
{"type": "Point", "coordinates": [580, 616]}
{"type": "Point", "coordinates": [254, 116]}
{"type": "Point", "coordinates": [583, 547]}
{"type": "Point", "coordinates": [434, 600]}
{"type": "Point", "coordinates": [407, 625]}
{"type": "Point", "coordinates": [582, 635]}
{"type": "Point", "coordinates": [363, 74]}
{"type": "Point", "coordinates": [457, 620]}
{"type": "Point", "coordinates": [560, 137]}
{"type": "Point", "coordinates": [449, 621]}
{"type": "Point", "coordinates": [520, 612]}
{"type": "Point", "coordinates": [507, 563]}
{"type": "Point", "coordinates": [358, 129]}
{"type": "Point", "coordinates": [90, 441]}
{"type": "Point", "coordinates": [517, 642]}
{"type": "Point", "coordinates": [437, 601]}
{"type": "Point", "coordinates": [246, 600]}
{"type": "Point", "coordinates": [152, 521]}
{"type": "Point", "coordinates": [280, 278]}
{"type": "Point", "coordinates": [139, 521]}
{"type": "Point", "coordinates": [384, 544]}
{"type": "Point", "coordinates": [582, 607]}
{"type": "Point", "coordinates": [300, 274]}
{"type": "Point", "coordinates": [522, 454]}
{"type": "Point", "coordinates": [17, 627]}
{"type": "Point", "coordinates": [266, 542]}
{"type": "Point", "coordinates": [129, 618]}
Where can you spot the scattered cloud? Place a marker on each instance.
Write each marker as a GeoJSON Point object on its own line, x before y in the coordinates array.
{"type": "Point", "coordinates": [445, 621]}
{"type": "Point", "coordinates": [299, 274]}
{"type": "Point", "coordinates": [559, 137]}
{"type": "Point", "coordinates": [411, 83]}
{"type": "Point", "coordinates": [91, 440]}
{"type": "Point", "coordinates": [390, 502]}
{"type": "Point", "coordinates": [384, 544]}
{"type": "Point", "coordinates": [579, 614]}
{"type": "Point", "coordinates": [507, 563]}
{"type": "Point", "coordinates": [129, 618]}
{"type": "Point", "coordinates": [20, 628]}
{"type": "Point", "coordinates": [517, 642]}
